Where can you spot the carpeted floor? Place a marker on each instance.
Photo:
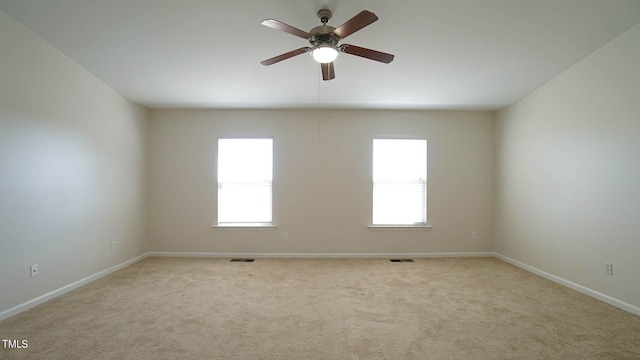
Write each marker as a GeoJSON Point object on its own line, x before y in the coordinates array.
{"type": "Point", "coordinates": [443, 308]}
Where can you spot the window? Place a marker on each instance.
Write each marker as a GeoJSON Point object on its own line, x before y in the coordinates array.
{"type": "Point", "coordinates": [399, 182]}
{"type": "Point", "coordinates": [245, 174]}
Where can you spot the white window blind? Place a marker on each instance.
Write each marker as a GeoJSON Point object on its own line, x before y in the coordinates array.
{"type": "Point", "coordinates": [245, 176]}
{"type": "Point", "coordinates": [399, 182]}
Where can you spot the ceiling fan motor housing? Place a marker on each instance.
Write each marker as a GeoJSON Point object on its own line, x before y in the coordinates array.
{"type": "Point", "coordinates": [323, 35]}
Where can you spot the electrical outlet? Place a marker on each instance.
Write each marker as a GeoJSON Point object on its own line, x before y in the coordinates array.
{"type": "Point", "coordinates": [474, 236]}
{"type": "Point", "coordinates": [34, 270]}
{"type": "Point", "coordinates": [113, 246]}
{"type": "Point", "coordinates": [608, 268]}
{"type": "Point", "coordinates": [285, 236]}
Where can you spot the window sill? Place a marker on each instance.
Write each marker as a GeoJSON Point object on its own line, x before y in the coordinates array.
{"type": "Point", "coordinates": [246, 226]}
{"type": "Point", "coordinates": [401, 227]}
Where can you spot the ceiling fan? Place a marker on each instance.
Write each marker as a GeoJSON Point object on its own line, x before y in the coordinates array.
{"type": "Point", "coordinates": [325, 40]}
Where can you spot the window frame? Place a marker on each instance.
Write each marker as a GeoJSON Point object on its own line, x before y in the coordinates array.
{"type": "Point", "coordinates": [242, 225]}
{"type": "Point", "coordinates": [417, 226]}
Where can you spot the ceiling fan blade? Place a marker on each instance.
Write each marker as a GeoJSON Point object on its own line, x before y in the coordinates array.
{"type": "Point", "coordinates": [275, 24]}
{"type": "Point", "coordinates": [284, 56]}
{"type": "Point", "coordinates": [367, 53]}
{"type": "Point", "coordinates": [354, 24]}
{"type": "Point", "coordinates": [327, 71]}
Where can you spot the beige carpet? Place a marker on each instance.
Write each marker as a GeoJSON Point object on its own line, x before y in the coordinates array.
{"type": "Point", "coordinates": [469, 308]}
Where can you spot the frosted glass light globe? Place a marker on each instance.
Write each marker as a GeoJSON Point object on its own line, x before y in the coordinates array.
{"type": "Point", "coordinates": [324, 54]}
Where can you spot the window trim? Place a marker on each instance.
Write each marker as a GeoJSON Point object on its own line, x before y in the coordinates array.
{"type": "Point", "coordinates": [420, 226]}
{"type": "Point", "coordinates": [244, 225]}
{"type": "Point", "coordinates": [426, 226]}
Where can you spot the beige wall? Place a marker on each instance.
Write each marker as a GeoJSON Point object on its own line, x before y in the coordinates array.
{"type": "Point", "coordinates": [568, 173]}
{"type": "Point", "coordinates": [72, 170]}
{"type": "Point", "coordinates": [322, 180]}
{"type": "Point", "coordinates": [77, 162]}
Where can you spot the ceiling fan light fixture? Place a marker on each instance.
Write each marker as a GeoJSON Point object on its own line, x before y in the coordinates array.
{"type": "Point", "coordinates": [324, 53]}
{"type": "Point", "coordinates": [324, 41]}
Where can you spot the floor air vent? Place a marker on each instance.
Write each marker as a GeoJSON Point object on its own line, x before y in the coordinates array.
{"type": "Point", "coordinates": [242, 260]}
{"type": "Point", "coordinates": [401, 260]}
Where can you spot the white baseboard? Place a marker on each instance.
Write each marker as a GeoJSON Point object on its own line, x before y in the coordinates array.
{"type": "Point", "coordinates": [65, 289]}
{"type": "Point", "coordinates": [320, 255]}
{"type": "Point", "coordinates": [577, 287]}
{"type": "Point", "coordinates": [53, 294]}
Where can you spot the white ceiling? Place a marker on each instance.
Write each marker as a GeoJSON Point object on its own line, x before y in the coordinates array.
{"type": "Point", "coordinates": [450, 54]}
